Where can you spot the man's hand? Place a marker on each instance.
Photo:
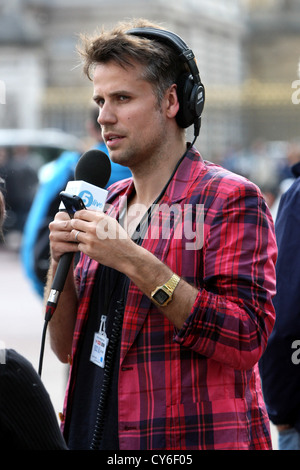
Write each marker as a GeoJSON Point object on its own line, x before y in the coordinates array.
{"type": "Point", "coordinates": [102, 238]}
{"type": "Point", "coordinates": [61, 237]}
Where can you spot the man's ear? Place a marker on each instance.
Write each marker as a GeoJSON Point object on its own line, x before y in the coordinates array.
{"type": "Point", "coordinates": [172, 103]}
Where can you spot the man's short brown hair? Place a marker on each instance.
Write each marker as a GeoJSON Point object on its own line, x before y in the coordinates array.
{"type": "Point", "coordinates": [161, 64]}
{"type": "Point", "coordinates": [2, 207]}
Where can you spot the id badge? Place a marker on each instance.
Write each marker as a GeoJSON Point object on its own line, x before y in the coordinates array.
{"type": "Point", "coordinates": [99, 345]}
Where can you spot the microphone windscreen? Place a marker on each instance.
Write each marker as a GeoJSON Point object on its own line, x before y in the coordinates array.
{"type": "Point", "coordinates": [94, 167]}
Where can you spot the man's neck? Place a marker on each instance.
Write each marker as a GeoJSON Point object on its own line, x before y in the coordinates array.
{"type": "Point", "coordinates": [150, 181]}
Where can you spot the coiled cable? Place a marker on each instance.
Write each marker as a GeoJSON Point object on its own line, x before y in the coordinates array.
{"type": "Point", "coordinates": [109, 363]}
{"type": "Point", "coordinates": [118, 322]}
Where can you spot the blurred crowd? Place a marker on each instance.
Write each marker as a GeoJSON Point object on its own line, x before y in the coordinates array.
{"type": "Point", "coordinates": [19, 169]}
{"type": "Point", "coordinates": [268, 164]}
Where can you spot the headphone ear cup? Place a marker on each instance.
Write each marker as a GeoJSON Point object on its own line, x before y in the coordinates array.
{"type": "Point", "coordinates": [191, 99]}
{"type": "Point", "coordinates": [185, 84]}
{"type": "Point", "coordinates": [190, 91]}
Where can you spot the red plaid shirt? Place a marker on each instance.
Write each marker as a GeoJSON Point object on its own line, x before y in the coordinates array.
{"type": "Point", "coordinates": [197, 388]}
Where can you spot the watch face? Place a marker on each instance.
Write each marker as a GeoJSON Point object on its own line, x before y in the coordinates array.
{"type": "Point", "coordinates": [160, 296]}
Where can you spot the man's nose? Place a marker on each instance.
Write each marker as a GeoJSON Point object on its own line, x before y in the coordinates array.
{"type": "Point", "coordinates": [106, 115]}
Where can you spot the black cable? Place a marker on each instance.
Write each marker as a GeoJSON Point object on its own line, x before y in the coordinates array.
{"type": "Point", "coordinates": [117, 327]}
{"type": "Point", "coordinates": [48, 315]}
{"type": "Point", "coordinates": [51, 307]}
{"type": "Point", "coordinates": [149, 212]}
{"type": "Point", "coordinates": [42, 348]}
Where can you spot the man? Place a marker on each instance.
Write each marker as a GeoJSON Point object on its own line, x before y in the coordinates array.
{"type": "Point", "coordinates": [183, 374]}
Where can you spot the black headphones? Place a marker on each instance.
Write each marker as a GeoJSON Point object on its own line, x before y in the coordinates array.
{"type": "Point", "coordinates": [190, 90]}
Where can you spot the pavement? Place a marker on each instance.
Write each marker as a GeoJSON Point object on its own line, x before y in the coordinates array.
{"type": "Point", "coordinates": [21, 326]}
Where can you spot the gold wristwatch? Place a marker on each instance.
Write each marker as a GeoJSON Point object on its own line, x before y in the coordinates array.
{"type": "Point", "coordinates": [162, 295]}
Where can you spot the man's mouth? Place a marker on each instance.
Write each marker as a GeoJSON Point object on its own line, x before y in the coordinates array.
{"type": "Point", "coordinates": [112, 139]}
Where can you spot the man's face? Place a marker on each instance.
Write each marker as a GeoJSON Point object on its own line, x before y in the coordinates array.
{"type": "Point", "coordinates": [133, 125]}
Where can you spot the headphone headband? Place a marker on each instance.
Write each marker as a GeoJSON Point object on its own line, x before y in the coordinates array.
{"type": "Point", "coordinates": [162, 35]}
{"type": "Point", "coordinates": [174, 41]}
{"type": "Point", "coordinates": [191, 93]}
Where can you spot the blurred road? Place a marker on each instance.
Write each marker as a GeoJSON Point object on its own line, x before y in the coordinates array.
{"type": "Point", "coordinates": [21, 325]}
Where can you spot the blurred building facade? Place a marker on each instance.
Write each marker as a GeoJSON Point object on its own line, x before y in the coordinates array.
{"type": "Point", "coordinates": [246, 52]}
{"type": "Point", "coordinates": [273, 57]}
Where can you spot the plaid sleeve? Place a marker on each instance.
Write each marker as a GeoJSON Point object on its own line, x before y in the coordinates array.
{"type": "Point", "coordinates": [233, 314]}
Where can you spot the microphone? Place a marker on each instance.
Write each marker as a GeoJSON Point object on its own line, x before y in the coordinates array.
{"type": "Point", "coordinates": [92, 173]}
{"type": "Point", "coordinates": [94, 167]}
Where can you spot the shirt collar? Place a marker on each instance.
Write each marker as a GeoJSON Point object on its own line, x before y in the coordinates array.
{"type": "Point", "coordinates": [189, 169]}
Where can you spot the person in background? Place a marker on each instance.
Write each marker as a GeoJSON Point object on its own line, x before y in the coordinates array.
{"type": "Point", "coordinates": [162, 326]}
{"type": "Point", "coordinates": [27, 416]}
{"type": "Point", "coordinates": [21, 180]}
{"type": "Point", "coordinates": [280, 364]}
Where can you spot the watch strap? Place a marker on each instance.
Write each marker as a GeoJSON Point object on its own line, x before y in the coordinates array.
{"type": "Point", "coordinates": [172, 282]}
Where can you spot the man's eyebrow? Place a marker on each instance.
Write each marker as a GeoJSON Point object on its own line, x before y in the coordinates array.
{"type": "Point", "coordinates": [113, 93]}
{"type": "Point", "coordinates": [96, 98]}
